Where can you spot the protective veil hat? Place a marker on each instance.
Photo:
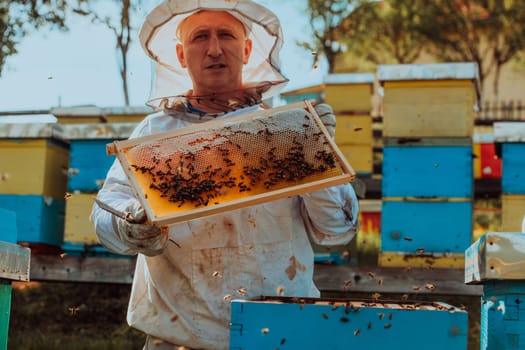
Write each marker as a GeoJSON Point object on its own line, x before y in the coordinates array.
{"type": "Point", "coordinates": [158, 37]}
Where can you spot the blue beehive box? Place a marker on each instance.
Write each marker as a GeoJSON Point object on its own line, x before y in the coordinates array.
{"type": "Point", "coordinates": [89, 162]}
{"type": "Point", "coordinates": [39, 219]}
{"type": "Point", "coordinates": [434, 226]}
{"type": "Point", "coordinates": [503, 315]}
{"type": "Point", "coordinates": [513, 168]}
{"type": "Point", "coordinates": [295, 323]}
{"type": "Point", "coordinates": [497, 260]}
{"type": "Point", "coordinates": [88, 165]}
{"type": "Point", "coordinates": [427, 170]}
{"type": "Point", "coordinates": [509, 137]}
{"type": "Point", "coordinates": [8, 232]}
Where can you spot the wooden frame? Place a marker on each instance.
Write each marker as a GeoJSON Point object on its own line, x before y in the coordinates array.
{"type": "Point", "coordinates": [119, 148]}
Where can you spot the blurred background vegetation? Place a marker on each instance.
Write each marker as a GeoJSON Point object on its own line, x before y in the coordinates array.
{"type": "Point", "coordinates": [52, 315]}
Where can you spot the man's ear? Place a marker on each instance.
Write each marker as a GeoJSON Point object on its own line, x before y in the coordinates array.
{"type": "Point", "coordinates": [247, 50]}
{"type": "Point", "coordinates": [180, 55]}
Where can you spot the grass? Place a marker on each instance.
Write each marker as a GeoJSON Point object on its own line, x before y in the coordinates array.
{"type": "Point", "coordinates": [51, 316]}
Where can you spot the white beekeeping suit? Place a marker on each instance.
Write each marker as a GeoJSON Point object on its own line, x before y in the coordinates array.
{"type": "Point", "coordinates": [181, 292]}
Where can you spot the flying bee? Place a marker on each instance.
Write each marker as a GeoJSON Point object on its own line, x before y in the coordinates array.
{"type": "Point", "coordinates": [430, 286]}
{"type": "Point", "coordinates": [73, 310]}
{"type": "Point", "coordinates": [280, 290]}
{"type": "Point", "coordinates": [346, 284]}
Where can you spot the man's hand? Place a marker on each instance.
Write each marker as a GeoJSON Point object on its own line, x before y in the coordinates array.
{"type": "Point", "coordinates": [327, 116]}
{"type": "Point", "coordinates": [144, 238]}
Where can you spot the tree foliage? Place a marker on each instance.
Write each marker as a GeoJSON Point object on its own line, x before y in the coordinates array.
{"type": "Point", "coordinates": [326, 17]}
{"type": "Point", "coordinates": [389, 33]}
{"type": "Point", "coordinates": [489, 32]}
{"type": "Point", "coordinates": [19, 17]}
{"type": "Point", "coordinates": [373, 31]}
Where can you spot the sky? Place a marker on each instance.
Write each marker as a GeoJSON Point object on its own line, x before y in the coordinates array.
{"type": "Point", "coordinates": [79, 67]}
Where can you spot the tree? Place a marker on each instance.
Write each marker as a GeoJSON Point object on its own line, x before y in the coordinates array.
{"type": "Point", "coordinates": [325, 18]}
{"type": "Point", "coordinates": [19, 17]}
{"type": "Point", "coordinates": [392, 26]}
{"type": "Point", "coordinates": [381, 32]}
{"type": "Point", "coordinates": [122, 29]}
{"type": "Point", "coordinates": [487, 32]}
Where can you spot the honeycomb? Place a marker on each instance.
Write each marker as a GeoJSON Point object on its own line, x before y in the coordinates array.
{"type": "Point", "coordinates": [235, 159]}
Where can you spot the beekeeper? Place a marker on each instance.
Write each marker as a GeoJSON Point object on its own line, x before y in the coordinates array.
{"type": "Point", "coordinates": [214, 59]}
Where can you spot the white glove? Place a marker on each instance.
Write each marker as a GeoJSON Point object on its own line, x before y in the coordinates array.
{"type": "Point", "coordinates": [144, 238]}
{"type": "Point", "coordinates": [326, 114]}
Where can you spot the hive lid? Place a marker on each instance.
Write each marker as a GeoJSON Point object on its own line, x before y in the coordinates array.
{"type": "Point", "coordinates": [98, 131]}
{"type": "Point", "coordinates": [494, 256]}
{"type": "Point", "coordinates": [349, 78]}
{"type": "Point", "coordinates": [509, 132]}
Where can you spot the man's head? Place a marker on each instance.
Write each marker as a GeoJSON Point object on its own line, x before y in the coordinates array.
{"type": "Point", "coordinates": [182, 64]}
{"type": "Point", "coordinates": [213, 47]}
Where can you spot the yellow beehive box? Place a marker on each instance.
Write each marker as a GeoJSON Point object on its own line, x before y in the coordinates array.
{"type": "Point", "coordinates": [476, 161]}
{"type": "Point", "coordinates": [34, 160]}
{"type": "Point", "coordinates": [349, 92]}
{"type": "Point", "coordinates": [353, 129]}
{"type": "Point", "coordinates": [77, 227]}
{"type": "Point", "coordinates": [512, 212]}
{"type": "Point", "coordinates": [429, 100]}
{"type": "Point", "coordinates": [360, 156]}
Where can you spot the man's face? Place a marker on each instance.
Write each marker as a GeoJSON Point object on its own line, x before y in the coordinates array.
{"type": "Point", "coordinates": [214, 49]}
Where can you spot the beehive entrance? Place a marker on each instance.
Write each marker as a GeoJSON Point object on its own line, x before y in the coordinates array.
{"type": "Point", "coordinates": [233, 160]}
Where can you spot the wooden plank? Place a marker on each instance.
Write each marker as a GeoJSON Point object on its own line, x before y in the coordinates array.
{"type": "Point", "coordinates": [82, 269]}
{"type": "Point", "coordinates": [483, 188]}
{"type": "Point", "coordinates": [331, 278]}
{"type": "Point", "coordinates": [14, 262]}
